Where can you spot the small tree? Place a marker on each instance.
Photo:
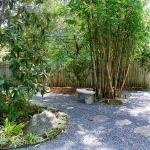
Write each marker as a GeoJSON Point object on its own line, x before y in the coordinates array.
{"type": "Point", "coordinates": [24, 26]}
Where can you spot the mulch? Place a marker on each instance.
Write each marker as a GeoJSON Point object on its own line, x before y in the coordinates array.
{"type": "Point", "coordinates": [64, 90]}
{"type": "Point", "coordinates": [72, 90]}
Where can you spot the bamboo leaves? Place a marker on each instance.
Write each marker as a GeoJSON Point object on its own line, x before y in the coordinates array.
{"type": "Point", "coordinates": [114, 30]}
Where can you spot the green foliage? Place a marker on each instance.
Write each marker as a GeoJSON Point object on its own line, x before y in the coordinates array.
{"type": "Point", "coordinates": [16, 141]}
{"type": "Point", "coordinates": [12, 128]}
{"type": "Point", "coordinates": [18, 128]}
{"type": "Point", "coordinates": [5, 83]}
{"type": "Point", "coordinates": [3, 140]}
{"type": "Point", "coordinates": [29, 137]}
{"type": "Point", "coordinates": [116, 30]}
{"type": "Point", "coordinates": [11, 134]}
{"type": "Point", "coordinates": [24, 35]}
{"type": "Point", "coordinates": [77, 67]}
{"type": "Point", "coordinates": [51, 134]}
{"type": "Point", "coordinates": [3, 105]}
{"type": "Point", "coordinates": [8, 127]}
{"type": "Point", "coordinates": [13, 110]}
{"type": "Point", "coordinates": [68, 46]}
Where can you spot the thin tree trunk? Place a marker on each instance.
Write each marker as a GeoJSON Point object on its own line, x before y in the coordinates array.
{"type": "Point", "coordinates": [125, 78]}
{"type": "Point", "coordinates": [94, 79]}
{"type": "Point", "coordinates": [108, 58]}
{"type": "Point", "coordinates": [118, 67]}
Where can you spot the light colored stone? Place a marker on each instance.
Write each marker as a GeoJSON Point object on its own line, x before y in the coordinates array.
{"type": "Point", "coordinates": [70, 108]}
{"type": "Point", "coordinates": [85, 95]}
{"type": "Point", "coordinates": [41, 122]}
{"type": "Point", "coordinates": [118, 101]}
{"type": "Point", "coordinates": [100, 118]}
{"type": "Point", "coordinates": [144, 130]}
{"type": "Point", "coordinates": [84, 91]}
{"type": "Point", "coordinates": [123, 122]}
{"type": "Point", "coordinates": [124, 100]}
{"type": "Point", "coordinates": [88, 99]}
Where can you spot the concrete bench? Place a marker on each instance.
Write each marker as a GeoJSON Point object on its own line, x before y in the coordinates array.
{"type": "Point", "coordinates": [86, 95]}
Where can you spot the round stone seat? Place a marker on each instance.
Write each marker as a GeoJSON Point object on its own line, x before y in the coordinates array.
{"type": "Point", "coordinates": [84, 91]}
{"type": "Point", "coordinates": [86, 95]}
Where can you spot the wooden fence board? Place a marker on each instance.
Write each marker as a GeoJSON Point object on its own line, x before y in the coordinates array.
{"type": "Point", "coordinates": [4, 68]}
{"type": "Point", "coordinates": [137, 77]}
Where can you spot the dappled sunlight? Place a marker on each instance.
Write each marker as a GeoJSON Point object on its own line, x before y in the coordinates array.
{"type": "Point", "coordinates": [140, 111]}
{"type": "Point", "coordinates": [91, 140]}
{"type": "Point", "coordinates": [68, 145]}
{"type": "Point", "coordinates": [90, 137]}
{"type": "Point", "coordinates": [88, 127]}
{"type": "Point", "coordinates": [140, 107]}
{"type": "Point", "coordinates": [147, 94]}
{"type": "Point", "coordinates": [97, 131]}
{"type": "Point", "coordinates": [143, 108]}
{"type": "Point", "coordinates": [81, 132]}
{"type": "Point", "coordinates": [87, 139]}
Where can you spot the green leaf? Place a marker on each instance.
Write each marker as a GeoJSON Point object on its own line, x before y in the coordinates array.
{"type": "Point", "coordinates": [18, 128]}
{"type": "Point", "coordinates": [70, 21]}
{"type": "Point", "coordinates": [11, 5]}
{"type": "Point", "coordinates": [1, 38]}
{"type": "Point", "coordinates": [2, 81]}
{"type": "Point", "coordinates": [43, 91]}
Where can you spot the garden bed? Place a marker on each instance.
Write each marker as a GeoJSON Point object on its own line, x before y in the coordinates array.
{"type": "Point", "coordinates": [11, 129]}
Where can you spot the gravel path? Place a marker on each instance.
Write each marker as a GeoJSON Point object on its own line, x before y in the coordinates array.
{"type": "Point", "coordinates": [99, 126]}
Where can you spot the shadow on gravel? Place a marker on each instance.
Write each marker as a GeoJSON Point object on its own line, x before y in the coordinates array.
{"type": "Point", "coordinates": [115, 133]}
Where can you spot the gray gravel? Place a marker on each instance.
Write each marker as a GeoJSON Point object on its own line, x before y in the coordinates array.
{"type": "Point", "coordinates": [99, 126]}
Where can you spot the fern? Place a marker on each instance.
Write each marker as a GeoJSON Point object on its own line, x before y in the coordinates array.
{"type": "Point", "coordinates": [11, 127]}
{"type": "Point", "coordinates": [18, 128]}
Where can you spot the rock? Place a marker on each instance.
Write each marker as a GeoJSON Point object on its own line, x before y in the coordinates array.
{"type": "Point", "coordinates": [88, 99]}
{"type": "Point", "coordinates": [41, 122]}
{"type": "Point", "coordinates": [123, 122]}
{"type": "Point", "coordinates": [117, 101]}
{"type": "Point", "coordinates": [100, 118]}
{"type": "Point", "coordinates": [70, 108]}
{"type": "Point", "coordinates": [143, 130]}
{"type": "Point", "coordinates": [86, 95]}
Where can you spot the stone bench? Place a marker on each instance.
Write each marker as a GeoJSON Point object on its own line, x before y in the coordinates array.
{"type": "Point", "coordinates": [86, 95]}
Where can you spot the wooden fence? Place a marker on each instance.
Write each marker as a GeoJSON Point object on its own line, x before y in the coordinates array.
{"type": "Point", "coordinates": [137, 77]}
{"type": "Point", "coordinates": [4, 68]}
{"type": "Point", "coordinates": [62, 79]}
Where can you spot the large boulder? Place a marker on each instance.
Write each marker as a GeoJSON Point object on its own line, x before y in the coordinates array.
{"type": "Point", "coordinates": [41, 123]}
